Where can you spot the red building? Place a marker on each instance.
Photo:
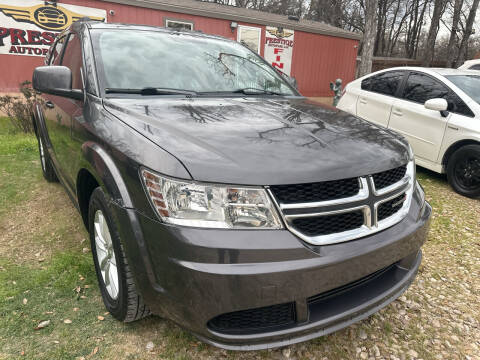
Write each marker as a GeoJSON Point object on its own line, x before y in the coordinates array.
{"type": "Point", "coordinates": [312, 52]}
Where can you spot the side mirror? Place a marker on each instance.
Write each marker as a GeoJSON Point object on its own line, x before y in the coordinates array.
{"type": "Point", "coordinates": [436, 104]}
{"type": "Point", "coordinates": [55, 80]}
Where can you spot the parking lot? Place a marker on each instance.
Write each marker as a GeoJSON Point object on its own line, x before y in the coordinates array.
{"type": "Point", "coordinates": [46, 274]}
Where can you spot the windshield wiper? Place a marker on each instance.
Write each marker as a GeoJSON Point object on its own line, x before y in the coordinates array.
{"type": "Point", "coordinates": [150, 91]}
{"type": "Point", "coordinates": [255, 91]}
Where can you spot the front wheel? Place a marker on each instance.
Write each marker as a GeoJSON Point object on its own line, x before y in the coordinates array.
{"type": "Point", "coordinates": [463, 171]}
{"type": "Point", "coordinates": [114, 276]}
{"type": "Point", "coordinates": [47, 168]}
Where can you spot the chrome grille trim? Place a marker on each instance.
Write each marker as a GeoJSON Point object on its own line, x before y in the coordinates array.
{"type": "Point", "coordinates": [389, 188]}
{"type": "Point", "coordinates": [361, 195]}
{"type": "Point", "coordinates": [368, 200]}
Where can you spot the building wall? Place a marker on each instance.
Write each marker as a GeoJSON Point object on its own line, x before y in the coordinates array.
{"type": "Point", "coordinates": [317, 59]}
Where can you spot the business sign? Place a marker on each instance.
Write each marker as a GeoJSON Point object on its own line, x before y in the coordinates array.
{"type": "Point", "coordinates": [29, 27]}
{"type": "Point", "coordinates": [279, 48]}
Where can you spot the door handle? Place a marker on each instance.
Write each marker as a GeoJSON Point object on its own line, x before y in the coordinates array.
{"type": "Point", "coordinates": [397, 113]}
{"type": "Point", "coordinates": [363, 101]}
{"type": "Point", "coordinates": [49, 104]}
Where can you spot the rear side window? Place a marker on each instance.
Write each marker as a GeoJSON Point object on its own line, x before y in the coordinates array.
{"type": "Point", "coordinates": [72, 58]}
{"type": "Point", "coordinates": [420, 88]}
{"type": "Point", "coordinates": [385, 83]}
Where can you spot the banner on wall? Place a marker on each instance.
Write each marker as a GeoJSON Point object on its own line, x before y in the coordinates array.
{"type": "Point", "coordinates": [29, 27]}
{"type": "Point", "coordinates": [279, 48]}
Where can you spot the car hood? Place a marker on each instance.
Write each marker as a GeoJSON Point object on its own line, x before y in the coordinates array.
{"type": "Point", "coordinates": [262, 141]}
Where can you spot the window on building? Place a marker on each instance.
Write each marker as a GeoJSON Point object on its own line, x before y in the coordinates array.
{"type": "Point", "coordinates": [179, 24]}
{"type": "Point", "coordinates": [250, 36]}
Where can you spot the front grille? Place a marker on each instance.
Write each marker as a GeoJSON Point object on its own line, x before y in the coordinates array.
{"type": "Point", "coordinates": [252, 320]}
{"type": "Point", "coordinates": [336, 211]}
{"type": "Point", "coordinates": [313, 192]}
{"type": "Point", "coordinates": [388, 208]}
{"type": "Point", "coordinates": [389, 177]}
{"type": "Point", "coordinates": [329, 224]}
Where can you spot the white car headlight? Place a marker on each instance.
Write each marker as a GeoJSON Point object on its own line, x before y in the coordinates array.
{"type": "Point", "coordinates": [210, 205]}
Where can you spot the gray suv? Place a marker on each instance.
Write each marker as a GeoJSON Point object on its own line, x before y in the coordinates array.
{"type": "Point", "coordinates": [216, 195]}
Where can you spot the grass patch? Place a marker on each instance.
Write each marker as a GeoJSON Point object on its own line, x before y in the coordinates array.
{"type": "Point", "coordinates": [29, 296]}
{"type": "Point", "coordinates": [19, 162]}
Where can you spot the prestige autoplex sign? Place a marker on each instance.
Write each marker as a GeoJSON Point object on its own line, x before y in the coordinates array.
{"type": "Point", "coordinates": [279, 48]}
{"type": "Point", "coordinates": [30, 28]}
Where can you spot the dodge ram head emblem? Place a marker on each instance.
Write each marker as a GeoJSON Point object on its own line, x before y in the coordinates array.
{"type": "Point", "coordinates": [47, 17]}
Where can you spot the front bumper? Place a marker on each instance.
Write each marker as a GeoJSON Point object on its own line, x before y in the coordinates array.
{"type": "Point", "coordinates": [192, 276]}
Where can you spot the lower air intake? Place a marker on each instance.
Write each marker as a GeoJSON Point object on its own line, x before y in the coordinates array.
{"type": "Point", "coordinates": [254, 320]}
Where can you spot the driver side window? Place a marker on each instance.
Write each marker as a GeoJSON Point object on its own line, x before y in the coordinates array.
{"type": "Point", "coordinates": [57, 51]}
{"type": "Point", "coordinates": [72, 58]}
{"type": "Point", "coordinates": [420, 88]}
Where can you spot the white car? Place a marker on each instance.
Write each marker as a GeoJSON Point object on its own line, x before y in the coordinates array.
{"type": "Point", "coordinates": [437, 110]}
{"type": "Point", "coordinates": [470, 65]}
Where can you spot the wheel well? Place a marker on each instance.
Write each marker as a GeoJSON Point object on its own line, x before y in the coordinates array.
{"type": "Point", "coordinates": [86, 183]}
{"type": "Point", "coordinates": [454, 147]}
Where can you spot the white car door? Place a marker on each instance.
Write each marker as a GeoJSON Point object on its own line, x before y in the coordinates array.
{"type": "Point", "coordinates": [423, 128]}
{"type": "Point", "coordinates": [377, 96]}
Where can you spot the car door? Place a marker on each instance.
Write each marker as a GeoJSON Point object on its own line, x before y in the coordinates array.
{"type": "Point", "coordinates": [377, 96]}
{"type": "Point", "coordinates": [53, 125]}
{"type": "Point", "coordinates": [62, 111]}
{"type": "Point", "coordinates": [423, 128]}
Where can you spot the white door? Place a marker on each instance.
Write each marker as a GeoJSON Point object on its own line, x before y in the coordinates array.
{"type": "Point", "coordinates": [251, 36]}
{"type": "Point", "coordinates": [423, 128]}
{"type": "Point", "coordinates": [377, 96]}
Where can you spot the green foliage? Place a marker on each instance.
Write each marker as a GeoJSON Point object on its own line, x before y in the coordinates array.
{"type": "Point", "coordinates": [20, 109]}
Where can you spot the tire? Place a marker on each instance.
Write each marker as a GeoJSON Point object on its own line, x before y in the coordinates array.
{"type": "Point", "coordinates": [120, 298]}
{"type": "Point", "coordinates": [463, 171]}
{"type": "Point", "coordinates": [45, 163]}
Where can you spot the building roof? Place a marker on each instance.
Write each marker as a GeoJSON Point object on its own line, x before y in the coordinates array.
{"type": "Point", "coordinates": [226, 12]}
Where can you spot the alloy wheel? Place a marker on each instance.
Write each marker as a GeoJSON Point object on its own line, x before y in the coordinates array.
{"type": "Point", "coordinates": [467, 172]}
{"type": "Point", "coordinates": [106, 254]}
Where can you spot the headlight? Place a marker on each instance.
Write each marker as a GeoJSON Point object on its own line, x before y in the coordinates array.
{"type": "Point", "coordinates": [210, 205]}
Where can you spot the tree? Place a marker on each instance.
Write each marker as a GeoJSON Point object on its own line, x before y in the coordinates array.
{"type": "Point", "coordinates": [467, 32]}
{"type": "Point", "coordinates": [457, 8]}
{"type": "Point", "coordinates": [438, 10]}
{"type": "Point", "coordinates": [368, 37]}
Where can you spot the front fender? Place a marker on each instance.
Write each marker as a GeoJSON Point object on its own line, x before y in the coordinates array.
{"type": "Point", "coordinates": [103, 168]}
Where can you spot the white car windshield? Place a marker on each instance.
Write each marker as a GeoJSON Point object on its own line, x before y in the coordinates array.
{"type": "Point", "coordinates": [131, 59]}
{"type": "Point", "coordinates": [469, 84]}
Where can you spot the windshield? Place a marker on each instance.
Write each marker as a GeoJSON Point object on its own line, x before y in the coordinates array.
{"type": "Point", "coordinates": [469, 84]}
{"type": "Point", "coordinates": [135, 59]}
